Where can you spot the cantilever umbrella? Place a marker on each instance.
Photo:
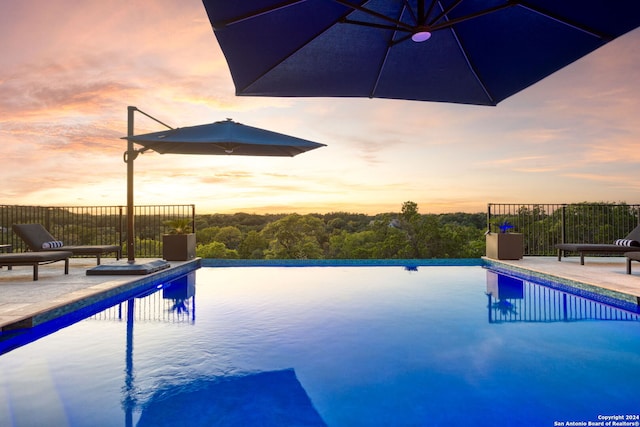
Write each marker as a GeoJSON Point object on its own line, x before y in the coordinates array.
{"type": "Point", "coordinates": [460, 51]}
{"type": "Point", "coordinates": [224, 138]}
{"type": "Point", "coordinates": [219, 138]}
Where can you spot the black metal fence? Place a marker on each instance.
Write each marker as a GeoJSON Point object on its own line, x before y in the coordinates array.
{"type": "Point", "coordinates": [95, 225]}
{"type": "Point", "coordinates": [545, 225]}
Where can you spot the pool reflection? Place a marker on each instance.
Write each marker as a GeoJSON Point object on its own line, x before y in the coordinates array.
{"type": "Point", "coordinates": [272, 398]}
{"type": "Point", "coordinates": [170, 302]}
{"type": "Point", "coordinates": [511, 299]}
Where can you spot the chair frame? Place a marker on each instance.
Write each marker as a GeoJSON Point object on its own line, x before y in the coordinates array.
{"type": "Point", "coordinates": [34, 235]}
{"type": "Point", "coordinates": [35, 259]}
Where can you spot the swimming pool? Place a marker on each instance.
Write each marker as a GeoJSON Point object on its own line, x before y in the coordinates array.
{"type": "Point", "coordinates": [337, 346]}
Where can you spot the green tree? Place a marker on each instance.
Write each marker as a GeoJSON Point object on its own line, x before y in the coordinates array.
{"type": "Point", "coordinates": [252, 246]}
{"type": "Point", "coordinates": [409, 211]}
{"type": "Point", "coordinates": [360, 245]}
{"type": "Point", "coordinates": [206, 235]}
{"type": "Point", "coordinates": [215, 250]}
{"type": "Point", "coordinates": [391, 239]}
{"type": "Point", "coordinates": [428, 241]}
{"type": "Point", "coordinates": [295, 237]}
{"type": "Point", "coordinates": [231, 236]}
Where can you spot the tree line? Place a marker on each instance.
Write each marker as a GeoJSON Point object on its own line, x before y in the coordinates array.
{"type": "Point", "coordinates": [341, 235]}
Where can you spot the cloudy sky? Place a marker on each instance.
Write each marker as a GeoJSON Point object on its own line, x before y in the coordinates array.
{"type": "Point", "coordinates": [69, 69]}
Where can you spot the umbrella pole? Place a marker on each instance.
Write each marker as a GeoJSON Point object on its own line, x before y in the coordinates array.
{"type": "Point", "coordinates": [130, 156]}
{"type": "Point", "coordinates": [131, 267]}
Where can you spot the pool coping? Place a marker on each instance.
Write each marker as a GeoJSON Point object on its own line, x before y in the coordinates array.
{"type": "Point", "coordinates": [408, 262]}
{"type": "Point", "coordinates": [116, 287]}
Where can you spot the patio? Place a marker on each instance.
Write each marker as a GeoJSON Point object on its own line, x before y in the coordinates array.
{"type": "Point", "coordinates": [25, 302]}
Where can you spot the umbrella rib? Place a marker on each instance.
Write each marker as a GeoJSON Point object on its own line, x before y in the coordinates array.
{"type": "Point", "coordinates": [564, 21]}
{"type": "Point", "coordinates": [471, 67]}
{"type": "Point", "coordinates": [446, 11]}
{"type": "Point", "coordinates": [400, 40]}
{"type": "Point", "coordinates": [473, 70]}
{"type": "Point", "coordinates": [379, 76]}
{"type": "Point", "coordinates": [509, 3]}
{"type": "Point", "coordinates": [153, 118]}
{"type": "Point", "coordinates": [386, 56]}
{"type": "Point", "coordinates": [374, 25]}
{"type": "Point", "coordinates": [374, 13]}
{"type": "Point", "coordinates": [417, 18]}
{"type": "Point", "coordinates": [451, 22]}
{"type": "Point", "coordinates": [421, 15]}
{"type": "Point", "coordinates": [221, 24]}
{"type": "Point", "coordinates": [431, 7]}
{"type": "Point", "coordinates": [432, 27]}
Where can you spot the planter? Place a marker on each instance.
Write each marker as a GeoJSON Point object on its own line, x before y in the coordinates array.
{"type": "Point", "coordinates": [182, 288]}
{"type": "Point", "coordinates": [505, 245]}
{"type": "Point", "coordinates": [503, 287]}
{"type": "Point", "coordinates": [179, 247]}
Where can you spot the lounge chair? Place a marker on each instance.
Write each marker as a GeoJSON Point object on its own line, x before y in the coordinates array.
{"type": "Point", "coordinates": [38, 239]}
{"type": "Point", "coordinates": [603, 248]}
{"type": "Point", "coordinates": [631, 256]}
{"type": "Point", "coordinates": [35, 259]}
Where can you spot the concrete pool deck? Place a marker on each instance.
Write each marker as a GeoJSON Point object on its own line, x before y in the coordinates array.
{"type": "Point", "coordinates": [25, 303]}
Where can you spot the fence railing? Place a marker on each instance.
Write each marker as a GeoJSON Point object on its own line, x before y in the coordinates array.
{"type": "Point", "coordinates": [545, 225]}
{"type": "Point", "coordinates": [95, 225]}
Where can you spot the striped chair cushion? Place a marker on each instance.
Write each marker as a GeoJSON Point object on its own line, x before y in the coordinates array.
{"type": "Point", "coordinates": [627, 242]}
{"type": "Point", "coordinates": [52, 244]}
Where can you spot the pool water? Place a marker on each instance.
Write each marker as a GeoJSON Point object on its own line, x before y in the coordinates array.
{"type": "Point", "coordinates": [336, 346]}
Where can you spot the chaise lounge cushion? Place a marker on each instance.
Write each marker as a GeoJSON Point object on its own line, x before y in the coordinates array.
{"type": "Point", "coordinates": [600, 248]}
{"type": "Point", "coordinates": [35, 259]}
{"type": "Point", "coordinates": [35, 236]}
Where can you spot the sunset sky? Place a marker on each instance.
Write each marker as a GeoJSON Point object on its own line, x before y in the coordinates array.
{"type": "Point", "coordinates": [69, 69]}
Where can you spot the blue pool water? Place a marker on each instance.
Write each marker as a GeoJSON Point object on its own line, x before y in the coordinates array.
{"type": "Point", "coordinates": [336, 346]}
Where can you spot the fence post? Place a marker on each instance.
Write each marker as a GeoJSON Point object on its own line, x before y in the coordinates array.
{"type": "Point", "coordinates": [120, 219]}
{"type": "Point", "coordinates": [489, 218]}
{"type": "Point", "coordinates": [564, 225]}
{"type": "Point", "coordinates": [193, 218]}
{"type": "Point", "coordinates": [47, 218]}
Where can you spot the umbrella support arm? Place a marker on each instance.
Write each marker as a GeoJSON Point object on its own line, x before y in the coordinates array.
{"type": "Point", "coordinates": [129, 156]}
{"type": "Point", "coordinates": [149, 116]}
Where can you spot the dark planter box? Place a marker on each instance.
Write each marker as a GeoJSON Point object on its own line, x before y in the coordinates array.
{"type": "Point", "coordinates": [182, 288]}
{"type": "Point", "coordinates": [503, 287]}
{"type": "Point", "coordinates": [179, 247]}
{"type": "Point", "coordinates": [505, 245]}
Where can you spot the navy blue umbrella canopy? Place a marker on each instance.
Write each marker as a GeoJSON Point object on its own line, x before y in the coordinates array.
{"type": "Point", "coordinates": [461, 51]}
{"type": "Point", "coordinates": [224, 138]}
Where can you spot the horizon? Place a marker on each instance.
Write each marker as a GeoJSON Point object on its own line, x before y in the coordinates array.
{"type": "Point", "coordinates": [70, 71]}
{"type": "Point", "coordinates": [389, 212]}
